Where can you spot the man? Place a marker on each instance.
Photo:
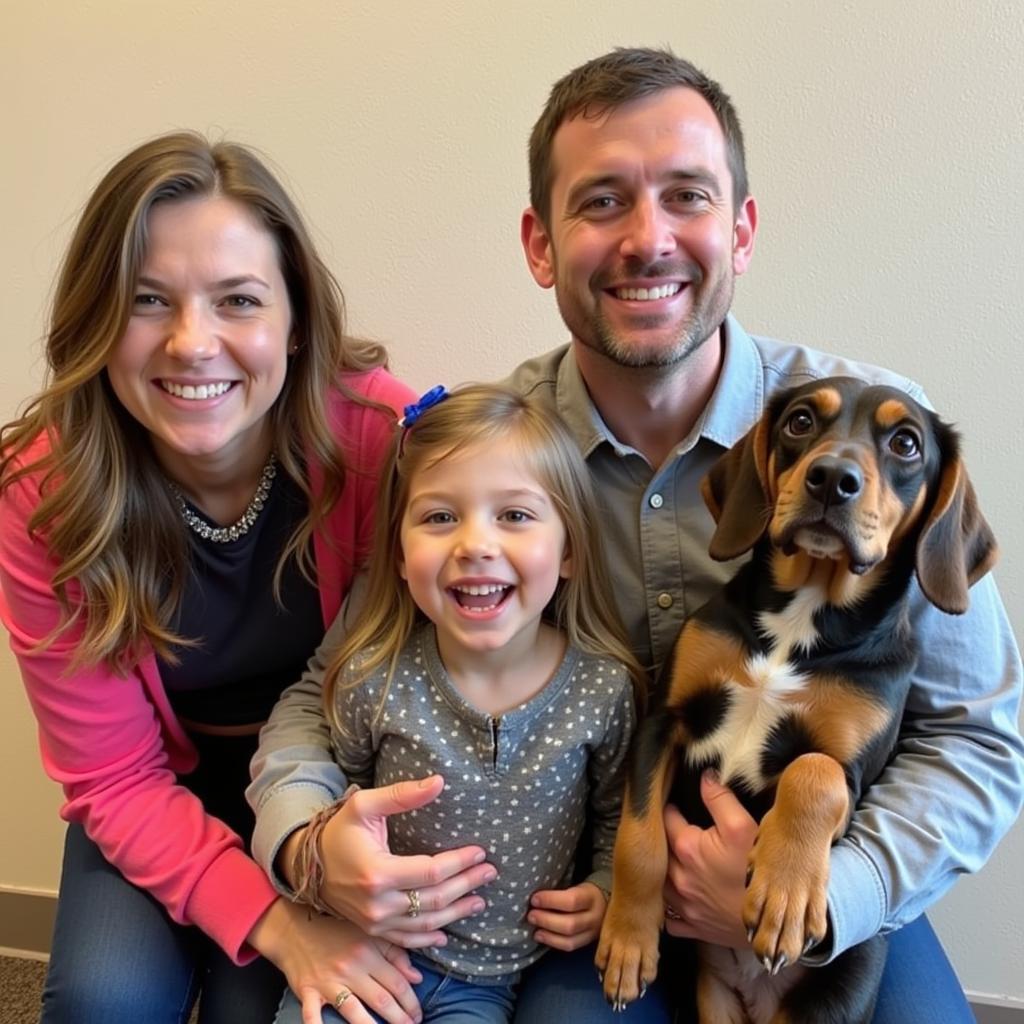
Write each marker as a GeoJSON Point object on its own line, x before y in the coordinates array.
{"type": "Point", "coordinates": [640, 220]}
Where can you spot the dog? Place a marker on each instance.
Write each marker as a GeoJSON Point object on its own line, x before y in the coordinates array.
{"type": "Point", "coordinates": [791, 681]}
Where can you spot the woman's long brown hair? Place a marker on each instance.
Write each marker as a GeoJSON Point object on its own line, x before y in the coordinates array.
{"type": "Point", "coordinates": [104, 509]}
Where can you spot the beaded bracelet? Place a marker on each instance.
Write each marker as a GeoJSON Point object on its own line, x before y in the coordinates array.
{"type": "Point", "coordinates": [308, 864]}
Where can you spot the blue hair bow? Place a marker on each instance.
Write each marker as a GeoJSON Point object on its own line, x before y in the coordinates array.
{"type": "Point", "coordinates": [416, 409]}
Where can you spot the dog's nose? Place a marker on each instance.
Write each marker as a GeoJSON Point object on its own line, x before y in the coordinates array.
{"type": "Point", "coordinates": [833, 480]}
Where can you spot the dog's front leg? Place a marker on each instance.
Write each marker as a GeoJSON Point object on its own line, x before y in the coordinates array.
{"type": "Point", "coordinates": [785, 908]}
{"type": "Point", "coordinates": [627, 955]}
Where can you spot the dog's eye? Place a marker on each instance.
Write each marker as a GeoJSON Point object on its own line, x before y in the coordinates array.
{"type": "Point", "coordinates": [904, 443]}
{"type": "Point", "coordinates": [799, 423]}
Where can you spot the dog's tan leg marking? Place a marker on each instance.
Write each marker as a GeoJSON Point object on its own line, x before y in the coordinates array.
{"type": "Point", "coordinates": [785, 905]}
{"type": "Point", "coordinates": [627, 954]}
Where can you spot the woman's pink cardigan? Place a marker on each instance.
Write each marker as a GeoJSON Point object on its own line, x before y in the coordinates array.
{"type": "Point", "coordinates": [114, 743]}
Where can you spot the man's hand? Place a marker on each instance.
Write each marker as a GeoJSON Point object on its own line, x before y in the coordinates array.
{"type": "Point", "coordinates": [707, 869]}
{"type": "Point", "coordinates": [567, 919]}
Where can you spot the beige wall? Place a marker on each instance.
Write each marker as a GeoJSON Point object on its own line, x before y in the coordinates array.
{"type": "Point", "coordinates": [885, 149]}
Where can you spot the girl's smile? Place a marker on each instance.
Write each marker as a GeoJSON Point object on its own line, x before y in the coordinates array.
{"type": "Point", "coordinates": [480, 599]}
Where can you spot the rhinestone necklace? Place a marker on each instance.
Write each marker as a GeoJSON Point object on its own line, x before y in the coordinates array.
{"type": "Point", "coordinates": [226, 534]}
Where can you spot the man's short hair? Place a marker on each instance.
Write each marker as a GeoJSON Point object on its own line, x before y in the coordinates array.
{"type": "Point", "coordinates": [609, 81]}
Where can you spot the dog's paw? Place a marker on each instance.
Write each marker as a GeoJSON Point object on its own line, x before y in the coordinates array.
{"type": "Point", "coordinates": [627, 958]}
{"type": "Point", "coordinates": [785, 909]}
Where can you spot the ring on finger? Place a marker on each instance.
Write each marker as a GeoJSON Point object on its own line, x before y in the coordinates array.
{"type": "Point", "coordinates": [672, 914]}
{"type": "Point", "coordinates": [339, 999]}
{"type": "Point", "coordinates": [414, 902]}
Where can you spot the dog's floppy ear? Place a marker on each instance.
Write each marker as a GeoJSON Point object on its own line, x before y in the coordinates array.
{"type": "Point", "coordinates": [956, 547]}
{"type": "Point", "coordinates": [736, 493]}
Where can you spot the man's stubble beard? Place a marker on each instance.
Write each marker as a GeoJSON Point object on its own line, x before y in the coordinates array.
{"type": "Point", "coordinates": [693, 332]}
{"type": "Point", "coordinates": [697, 327]}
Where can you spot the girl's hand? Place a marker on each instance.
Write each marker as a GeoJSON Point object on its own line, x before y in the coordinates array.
{"type": "Point", "coordinates": [707, 869]}
{"type": "Point", "coordinates": [369, 886]}
{"type": "Point", "coordinates": [322, 957]}
{"type": "Point", "coordinates": [567, 919]}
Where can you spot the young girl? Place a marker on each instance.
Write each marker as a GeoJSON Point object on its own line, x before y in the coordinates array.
{"type": "Point", "coordinates": [488, 652]}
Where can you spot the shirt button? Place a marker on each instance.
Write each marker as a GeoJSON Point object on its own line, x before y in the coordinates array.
{"type": "Point", "coordinates": [664, 600]}
{"type": "Point", "coordinates": [656, 501]}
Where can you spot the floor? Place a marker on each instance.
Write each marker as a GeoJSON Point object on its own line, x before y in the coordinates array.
{"type": "Point", "coordinates": [21, 982]}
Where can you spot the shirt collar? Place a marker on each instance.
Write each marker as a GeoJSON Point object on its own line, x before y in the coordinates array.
{"type": "Point", "coordinates": [738, 399]}
{"type": "Point", "coordinates": [735, 406]}
{"type": "Point", "coordinates": [577, 409]}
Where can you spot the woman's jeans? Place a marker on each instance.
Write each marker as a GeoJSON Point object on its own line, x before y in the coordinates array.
{"type": "Point", "coordinates": [117, 957]}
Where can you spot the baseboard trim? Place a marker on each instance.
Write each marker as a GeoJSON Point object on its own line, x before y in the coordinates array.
{"type": "Point", "coordinates": [26, 925]}
{"type": "Point", "coordinates": [23, 954]}
{"type": "Point", "coordinates": [993, 1010]}
{"type": "Point", "coordinates": [26, 922]}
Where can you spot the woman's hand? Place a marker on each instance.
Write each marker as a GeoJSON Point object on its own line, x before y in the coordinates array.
{"type": "Point", "coordinates": [567, 919]}
{"type": "Point", "coordinates": [369, 886]}
{"type": "Point", "coordinates": [707, 869]}
{"type": "Point", "coordinates": [322, 957]}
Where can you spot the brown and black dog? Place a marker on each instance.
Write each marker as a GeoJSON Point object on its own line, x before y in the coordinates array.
{"type": "Point", "coordinates": [791, 682]}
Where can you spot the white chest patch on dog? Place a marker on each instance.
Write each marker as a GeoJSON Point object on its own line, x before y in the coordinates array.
{"type": "Point", "coordinates": [793, 628]}
{"type": "Point", "coordinates": [771, 690]}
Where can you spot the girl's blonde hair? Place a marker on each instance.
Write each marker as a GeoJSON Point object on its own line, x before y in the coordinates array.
{"type": "Point", "coordinates": [104, 509]}
{"type": "Point", "coordinates": [478, 415]}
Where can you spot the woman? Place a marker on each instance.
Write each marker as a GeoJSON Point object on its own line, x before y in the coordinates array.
{"type": "Point", "coordinates": [184, 506]}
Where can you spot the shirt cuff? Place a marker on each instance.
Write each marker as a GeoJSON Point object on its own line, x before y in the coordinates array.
{"type": "Point", "coordinates": [856, 903]}
{"type": "Point", "coordinates": [231, 897]}
{"type": "Point", "coordinates": [279, 816]}
{"type": "Point", "coordinates": [602, 878]}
